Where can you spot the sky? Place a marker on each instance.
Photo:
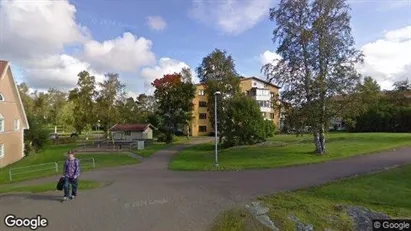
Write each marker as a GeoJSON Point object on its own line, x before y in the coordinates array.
{"type": "Point", "coordinates": [48, 42]}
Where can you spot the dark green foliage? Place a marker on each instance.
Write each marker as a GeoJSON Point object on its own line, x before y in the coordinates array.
{"type": "Point", "coordinates": [382, 111]}
{"type": "Point", "coordinates": [383, 117]}
{"type": "Point", "coordinates": [37, 136]}
{"type": "Point", "coordinates": [217, 71]}
{"type": "Point", "coordinates": [246, 125]}
{"type": "Point", "coordinates": [269, 128]}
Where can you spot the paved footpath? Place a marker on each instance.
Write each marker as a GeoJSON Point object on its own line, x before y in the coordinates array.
{"type": "Point", "coordinates": [150, 197]}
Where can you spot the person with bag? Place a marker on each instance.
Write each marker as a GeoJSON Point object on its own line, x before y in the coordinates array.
{"type": "Point", "coordinates": [71, 174]}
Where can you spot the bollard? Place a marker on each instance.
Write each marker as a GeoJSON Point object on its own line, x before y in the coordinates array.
{"type": "Point", "coordinates": [57, 166]}
{"type": "Point", "coordinates": [11, 179]}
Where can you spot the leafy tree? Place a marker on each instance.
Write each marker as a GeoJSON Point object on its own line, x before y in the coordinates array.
{"type": "Point", "coordinates": [111, 91]}
{"type": "Point", "coordinates": [26, 98]}
{"type": "Point", "coordinates": [217, 71]}
{"type": "Point", "coordinates": [402, 86]}
{"type": "Point", "coordinates": [128, 111]}
{"type": "Point", "coordinates": [175, 104]}
{"type": "Point", "coordinates": [83, 98]}
{"type": "Point", "coordinates": [146, 106]}
{"type": "Point", "coordinates": [42, 106]}
{"type": "Point", "coordinates": [246, 125]}
{"type": "Point", "coordinates": [317, 68]}
{"type": "Point", "coordinates": [57, 100]}
{"type": "Point", "coordinates": [37, 137]}
{"type": "Point", "coordinates": [65, 116]}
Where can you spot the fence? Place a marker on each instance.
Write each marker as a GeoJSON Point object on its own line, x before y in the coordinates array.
{"type": "Point", "coordinates": [45, 169]}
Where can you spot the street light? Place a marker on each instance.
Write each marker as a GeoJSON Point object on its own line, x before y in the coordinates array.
{"type": "Point", "coordinates": [215, 127]}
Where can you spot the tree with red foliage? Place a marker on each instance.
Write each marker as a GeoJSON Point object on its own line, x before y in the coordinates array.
{"type": "Point", "coordinates": [175, 102]}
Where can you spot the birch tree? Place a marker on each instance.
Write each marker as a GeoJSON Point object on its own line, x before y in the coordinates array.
{"type": "Point", "coordinates": [317, 69]}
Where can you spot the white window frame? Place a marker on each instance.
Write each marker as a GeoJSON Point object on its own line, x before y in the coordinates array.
{"type": "Point", "coordinates": [1, 98]}
{"type": "Point", "coordinates": [16, 124]}
{"type": "Point", "coordinates": [1, 151]}
{"type": "Point", "coordinates": [1, 123]}
{"type": "Point", "coordinates": [201, 92]}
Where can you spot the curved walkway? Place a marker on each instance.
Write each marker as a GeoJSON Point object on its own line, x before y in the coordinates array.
{"type": "Point", "coordinates": [150, 197]}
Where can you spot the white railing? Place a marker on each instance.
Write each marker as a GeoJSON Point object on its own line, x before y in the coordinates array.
{"type": "Point", "coordinates": [51, 167]}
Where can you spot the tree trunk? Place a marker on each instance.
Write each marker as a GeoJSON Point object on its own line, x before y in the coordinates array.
{"type": "Point", "coordinates": [319, 140]}
{"type": "Point", "coordinates": [188, 131]}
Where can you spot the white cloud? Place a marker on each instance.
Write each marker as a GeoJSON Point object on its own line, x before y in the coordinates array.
{"type": "Point", "coordinates": [165, 66]}
{"type": "Point", "coordinates": [29, 30]}
{"type": "Point", "coordinates": [231, 16]}
{"type": "Point", "coordinates": [156, 22]}
{"type": "Point", "coordinates": [269, 57]}
{"type": "Point", "coordinates": [127, 53]}
{"type": "Point", "coordinates": [388, 59]}
{"type": "Point", "coordinates": [59, 70]}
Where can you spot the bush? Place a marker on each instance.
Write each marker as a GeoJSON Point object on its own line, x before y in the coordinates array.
{"type": "Point", "coordinates": [382, 118]}
{"type": "Point", "coordinates": [37, 136]}
{"type": "Point", "coordinates": [269, 128]}
{"type": "Point", "coordinates": [166, 137]}
{"type": "Point", "coordinates": [246, 125]}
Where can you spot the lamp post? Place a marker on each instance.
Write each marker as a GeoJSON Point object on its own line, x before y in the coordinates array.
{"type": "Point", "coordinates": [215, 127]}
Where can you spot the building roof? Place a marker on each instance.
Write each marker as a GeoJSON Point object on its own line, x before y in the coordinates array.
{"type": "Point", "coordinates": [131, 127]}
{"type": "Point", "coordinates": [258, 79]}
{"type": "Point", "coordinates": [248, 78]}
{"type": "Point", "coordinates": [4, 67]}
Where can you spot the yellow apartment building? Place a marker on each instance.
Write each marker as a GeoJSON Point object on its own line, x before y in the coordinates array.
{"type": "Point", "coordinates": [263, 92]}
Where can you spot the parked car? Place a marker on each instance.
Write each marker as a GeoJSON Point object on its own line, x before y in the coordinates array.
{"type": "Point", "coordinates": [54, 136]}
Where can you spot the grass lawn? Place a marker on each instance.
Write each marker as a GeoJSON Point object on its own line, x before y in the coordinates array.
{"type": "Point", "coordinates": [45, 187]}
{"type": "Point", "coordinates": [286, 150]}
{"type": "Point", "coordinates": [157, 146]}
{"type": "Point", "coordinates": [56, 153]}
{"type": "Point", "coordinates": [387, 192]}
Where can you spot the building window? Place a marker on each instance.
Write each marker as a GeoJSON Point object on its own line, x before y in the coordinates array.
{"type": "Point", "coordinates": [202, 128]}
{"type": "Point", "coordinates": [16, 124]}
{"type": "Point", "coordinates": [127, 133]}
{"type": "Point", "coordinates": [203, 116]}
{"type": "Point", "coordinates": [1, 98]}
{"type": "Point", "coordinates": [1, 151]}
{"type": "Point", "coordinates": [272, 115]}
{"type": "Point", "coordinates": [202, 104]}
{"type": "Point", "coordinates": [201, 92]}
{"type": "Point", "coordinates": [1, 123]}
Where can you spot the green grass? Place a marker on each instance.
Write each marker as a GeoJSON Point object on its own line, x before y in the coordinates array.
{"type": "Point", "coordinates": [286, 150]}
{"type": "Point", "coordinates": [387, 192]}
{"type": "Point", "coordinates": [45, 187]}
{"type": "Point", "coordinates": [56, 153]}
{"type": "Point", "coordinates": [157, 146]}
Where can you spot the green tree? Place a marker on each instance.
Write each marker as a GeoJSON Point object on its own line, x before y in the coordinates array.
{"type": "Point", "coordinates": [317, 68]}
{"type": "Point", "coordinates": [57, 100]}
{"type": "Point", "coordinates": [146, 106]}
{"type": "Point", "coordinates": [37, 137]}
{"type": "Point", "coordinates": [112, 90]}
{"type": "Point", "coordinates": [128, 111]}
{"type": "Point", "coordinates": [83, 98]}
{"type": "Point", "coordinates": [65, 117]}
{"type": "Point", "coordinates": [175, 102]}
{"type": "Point", "coordinates": [246, 125]}
{"type": "Point", "coordinates": [217, 72]}
{"type": "Point", "coordinates": [26, 97]}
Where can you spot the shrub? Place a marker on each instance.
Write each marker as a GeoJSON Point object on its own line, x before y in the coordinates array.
{"type": "Point", "coordinates": [269, 128]}
{"type": "Point", "coordinates": [246, 125]}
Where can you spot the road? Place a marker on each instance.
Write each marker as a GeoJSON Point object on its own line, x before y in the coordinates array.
{"type": "Point", "coordinates": [150, 197]}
